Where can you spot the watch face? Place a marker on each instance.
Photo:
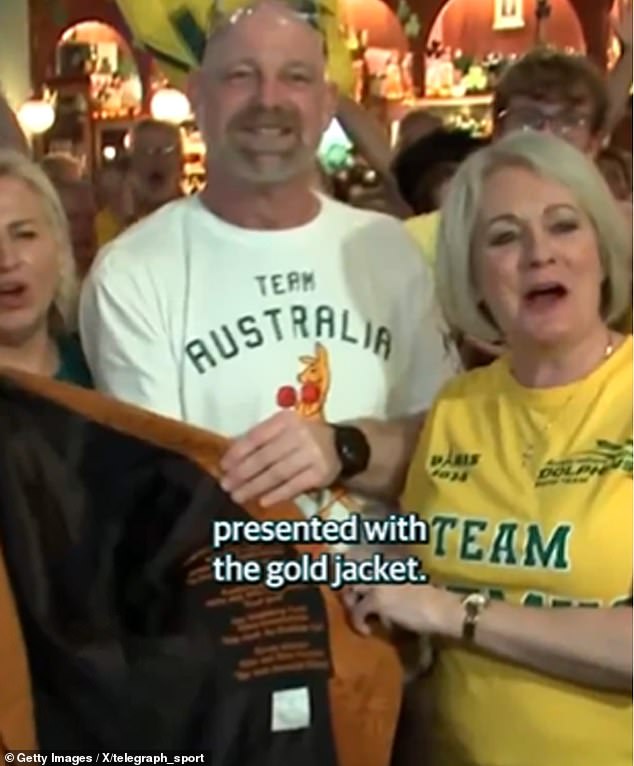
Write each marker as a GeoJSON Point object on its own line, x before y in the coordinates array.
{"type": "Point", "coordinates": [477, 599]}
{"type": "Point", "coordinates": [475, 603]}
{"type": "Point", "coordinates": [353, 450]}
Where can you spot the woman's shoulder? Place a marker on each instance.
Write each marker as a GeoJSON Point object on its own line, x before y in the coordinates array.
{"type": "Point", "coordinates": [73, 367]}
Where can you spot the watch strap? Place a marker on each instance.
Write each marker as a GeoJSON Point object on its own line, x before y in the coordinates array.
{"type": "Point", "coordinates": [353, 450]}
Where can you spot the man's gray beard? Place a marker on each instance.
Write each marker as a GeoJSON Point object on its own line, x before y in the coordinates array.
{"type": "Point", "coordinates": [290, 167]}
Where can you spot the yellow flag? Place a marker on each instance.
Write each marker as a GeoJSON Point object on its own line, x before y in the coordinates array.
{"type": "Point", "coordinates": [174, 32]}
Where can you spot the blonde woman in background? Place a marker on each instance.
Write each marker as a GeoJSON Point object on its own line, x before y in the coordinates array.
{"type": "Point", "coordinates": [36, 314]}
{"type": "Point", "coordinates": [524, 472]}
{"type": "Point", "coordinates": [37, 276]}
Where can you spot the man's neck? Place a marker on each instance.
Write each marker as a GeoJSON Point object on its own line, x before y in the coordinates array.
{"type": "Point", "coordinates": [38, 355]}
{"type": "Point", "coordinates": [539, 367]}
{"type": "Point", "coordinates": [284, 206]}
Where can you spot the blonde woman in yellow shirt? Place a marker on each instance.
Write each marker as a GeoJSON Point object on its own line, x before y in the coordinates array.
{"type": "Point", "coordinates": [524, 472]}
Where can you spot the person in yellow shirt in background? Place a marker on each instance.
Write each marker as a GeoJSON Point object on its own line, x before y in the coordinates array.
{"type": "Point", "coordinates": [115, 200]}
{"type": "Point", "coordinates": [423, 171]}
{"type": "Point", "coordinates": [544, 90]}
{"type": "Point", "coordinates": [156, 165]}
{"type": "Point", "coordinates": [140, 184]}
{"type": "Point", "coordinates": [524, 473]}
{"type": "Point", "coordinates": [557, 93]}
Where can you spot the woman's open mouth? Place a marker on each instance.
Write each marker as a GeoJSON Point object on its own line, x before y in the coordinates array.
{"type": "Point", "coordinates": [546, 295]}
{"type": "Point", "coordinates": [13, 295]}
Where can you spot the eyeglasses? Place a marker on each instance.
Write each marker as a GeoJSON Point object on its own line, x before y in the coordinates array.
{"type": "Point", "coordinates": [563, 124]}
{"type": "Point", "coordinates": [156, 151]}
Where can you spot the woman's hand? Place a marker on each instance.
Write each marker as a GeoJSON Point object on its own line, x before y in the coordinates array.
{"type": "Point", "coordinates": [418, 608]}
{"type": "Point", "coordinates": [592, 647]}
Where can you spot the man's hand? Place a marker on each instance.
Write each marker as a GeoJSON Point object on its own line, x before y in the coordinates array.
{"type": "Point", "coordinates": [280, 459]}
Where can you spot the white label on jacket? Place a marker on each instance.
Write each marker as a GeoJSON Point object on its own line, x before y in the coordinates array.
{"type": "Point", "coordinates": [290, 709]}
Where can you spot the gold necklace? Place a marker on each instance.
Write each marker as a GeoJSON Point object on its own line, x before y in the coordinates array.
{"type": "Point", "coordinates": [530, 448]}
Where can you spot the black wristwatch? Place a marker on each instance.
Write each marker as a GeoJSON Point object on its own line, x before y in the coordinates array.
{"type": "Point", "coordinates": [353, 450]}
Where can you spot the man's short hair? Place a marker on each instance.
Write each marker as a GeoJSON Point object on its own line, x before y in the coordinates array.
{"type": "Point", "coordinates": [149, 124]}
{"type": "Point", "coordinates": [424, 165]}
{"type": "Point", "coordinates": [549, 75]}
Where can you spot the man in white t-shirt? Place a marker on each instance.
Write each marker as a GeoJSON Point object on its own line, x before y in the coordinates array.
{"type": "Point", "coordinates": [261, 310]}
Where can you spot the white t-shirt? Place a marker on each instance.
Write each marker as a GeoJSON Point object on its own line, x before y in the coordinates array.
{"type": "Point", "coordinates": [191, 317]}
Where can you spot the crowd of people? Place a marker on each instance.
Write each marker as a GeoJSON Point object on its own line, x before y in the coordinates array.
{"type": "Point", "coordinates": [458, 345]}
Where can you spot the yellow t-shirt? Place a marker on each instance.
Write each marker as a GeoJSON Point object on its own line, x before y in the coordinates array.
{"type": "Point", "coordinates": [424, 229]}
{"type": "Point", "coordinates": [550, 527]}
{"type": "Point", "coordinates": [107, 227]}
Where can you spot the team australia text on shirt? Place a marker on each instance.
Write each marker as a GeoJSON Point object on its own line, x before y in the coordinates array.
{"type": "Point", "coordinates": [278, 324]}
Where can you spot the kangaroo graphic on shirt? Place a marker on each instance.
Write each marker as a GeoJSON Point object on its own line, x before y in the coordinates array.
{"type": "Point", "coordinates": [309, 401]}
{"type": "Point", "coordinates": [314, 379]}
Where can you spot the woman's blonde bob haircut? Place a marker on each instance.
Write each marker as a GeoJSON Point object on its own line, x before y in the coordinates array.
{"type": "Point", "coordinates": [63, 311]}
{"type": "Point", "coordinates": [552, 159]}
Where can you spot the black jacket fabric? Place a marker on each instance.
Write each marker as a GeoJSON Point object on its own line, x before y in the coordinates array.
{"type": "Point", "coordinates": [131, 644]}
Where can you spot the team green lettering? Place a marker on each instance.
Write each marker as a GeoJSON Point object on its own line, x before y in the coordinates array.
{"type": "Point", "coordinates": [440, 524]}
{"type": "Point", "coordinates": [551, 553]}
{"type": "Point", "coordinates": [532, 598]}
{"type": "Point", "coordinates": [469, 548]}
{"type": "Point", "coordinates": [567, 603]}
{"type": "Point", "coordinates": [502, 548]}
{"type": "Point", "coordinates": [505, 549]}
